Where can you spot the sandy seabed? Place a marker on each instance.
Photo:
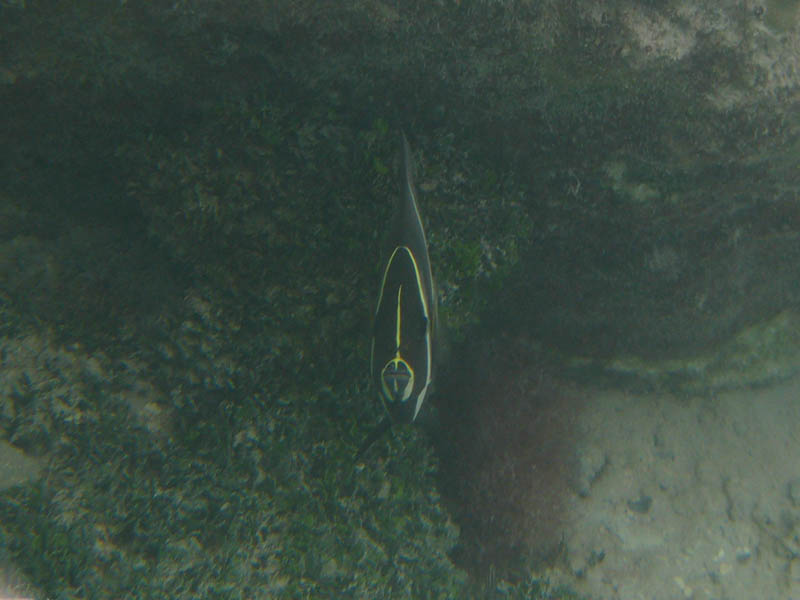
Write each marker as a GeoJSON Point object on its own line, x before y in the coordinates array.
{"type": "Point", "coordinates": [695, 498]}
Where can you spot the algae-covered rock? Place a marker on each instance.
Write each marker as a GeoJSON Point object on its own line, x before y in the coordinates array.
{"type": "Point", "coordinates": [760, 355]}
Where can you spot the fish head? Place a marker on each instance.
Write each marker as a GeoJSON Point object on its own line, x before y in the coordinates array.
{"type": "Point", "coordinates": [397, 380]}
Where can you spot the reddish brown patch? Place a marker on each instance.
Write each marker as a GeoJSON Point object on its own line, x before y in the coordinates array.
{"type": "Point", "coordinates": [506, 447]}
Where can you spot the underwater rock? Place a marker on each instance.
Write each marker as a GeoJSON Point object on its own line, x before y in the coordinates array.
{"type": "Point", "coordinates": [592, 461]}
{"type": "Point", "coordinates": [641, 505]}
{"type": "Point", "coordinates": [16, 467]}
{"type": "Point", "coordinates": [794, 492]}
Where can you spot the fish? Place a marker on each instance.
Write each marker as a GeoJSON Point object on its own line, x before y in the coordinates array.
{"type": "Point", "coordinates": [405, 324]}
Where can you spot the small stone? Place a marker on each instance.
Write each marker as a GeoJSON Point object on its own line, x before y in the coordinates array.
{"type": "Point", "coordinates": [687, 592]}
{"type": "Point", "coordinates": [592, 463]}
{"type": "Point", "coordinates": [383, 493]}
{"type": "Point", "coordinates": [330, 569]}
{"type": "Point", "coordinates": [16, 467]}
{"type": "Point", "coordinates": [794, 492]}
{"type": "Point", "coordinates": [743, 554]}
{"type": "Point", "coordinates": [581, 565]}
{"type": "Point", "coordinates": [641, 505]}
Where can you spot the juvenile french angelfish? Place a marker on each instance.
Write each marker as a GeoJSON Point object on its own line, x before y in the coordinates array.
{"type": "Point", "coordinates": [404, 330]}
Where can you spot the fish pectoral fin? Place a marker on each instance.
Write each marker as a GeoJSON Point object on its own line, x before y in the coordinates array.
{"type": "Point", "coordinates": [373, 437]}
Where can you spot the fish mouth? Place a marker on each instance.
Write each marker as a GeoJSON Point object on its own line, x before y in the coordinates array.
{"type": "Point", "coordinates": [397, 380]}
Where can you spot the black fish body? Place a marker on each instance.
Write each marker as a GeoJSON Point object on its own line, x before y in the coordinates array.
{"type": "Point", "coordinates": [405, 318]}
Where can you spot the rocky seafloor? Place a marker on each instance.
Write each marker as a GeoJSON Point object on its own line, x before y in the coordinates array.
{"type": "Point", "coordinates": [193, 199]}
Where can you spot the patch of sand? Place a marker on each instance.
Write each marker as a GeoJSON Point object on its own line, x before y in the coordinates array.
{"type": "Point", "coordinates": [688, 498]}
